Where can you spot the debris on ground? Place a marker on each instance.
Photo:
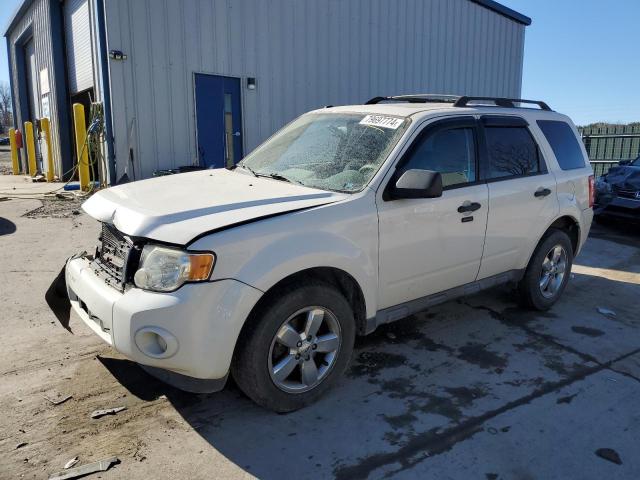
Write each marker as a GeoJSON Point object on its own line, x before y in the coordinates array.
{"type": "Point", "coordinates": [107, 411]}
{"type": "Point", "coordinates": [21, 444]}
{"type": "Point", "coordinates": [607, 312]}
{"type": "Point", "coordinates": [57, 206]}
{"type": "Point", "coordinates": [71, 463]}
{"type": "Point", "coordinates": [59, 399]}
{"type": "Point", "coordinates": [609, 454]}
{"type": "Point", "coordinates": [100, 466]}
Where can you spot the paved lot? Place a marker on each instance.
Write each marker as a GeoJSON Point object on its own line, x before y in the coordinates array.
{"type": "Point", "coordinates": [471, 389]}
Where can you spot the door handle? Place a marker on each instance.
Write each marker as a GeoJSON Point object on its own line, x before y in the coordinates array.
{"type": "Point", "coordinates": [542, 192]}
{"type": "Point", "coordinates": [469, 207]}
{"type": "Point", "coordinates": [237, 134]}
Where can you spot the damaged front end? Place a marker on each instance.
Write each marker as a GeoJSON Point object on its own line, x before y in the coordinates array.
{"type": "Point", "coordinates": [618, 193]}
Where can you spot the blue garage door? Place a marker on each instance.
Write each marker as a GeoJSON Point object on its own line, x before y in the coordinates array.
{"type": "Point", "coordinates": [219, 120]}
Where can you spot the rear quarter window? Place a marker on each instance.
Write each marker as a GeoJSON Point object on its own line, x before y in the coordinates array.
{"type": "Point", "coordinates": [564, 143]}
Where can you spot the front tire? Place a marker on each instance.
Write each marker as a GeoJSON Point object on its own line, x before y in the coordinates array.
{"type": "Point", "coordinates": [548, 271]}
{"type": "Point", "coordinates": [295, 347]}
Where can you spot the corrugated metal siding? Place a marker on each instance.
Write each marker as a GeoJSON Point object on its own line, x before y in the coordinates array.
{"type": "Point", "coordinates": [37, 17]}
{"type": "Point", "coordinates": [78, 42]}
{"type": "Point", "coordinates": [303, 53]}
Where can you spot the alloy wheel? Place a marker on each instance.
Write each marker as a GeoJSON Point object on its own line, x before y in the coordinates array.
{"type": "Point", "coordinates": [554, 267]}
{"type": "Point", "coordinates": [304, 349]}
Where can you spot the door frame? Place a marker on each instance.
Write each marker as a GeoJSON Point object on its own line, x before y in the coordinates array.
{"type": "Point", "coordinates": [21, 74]}
{"type": "Point", "coordinates": [412, 137]}
{"type": "Point", "coordinates": [421, 130]}
{"type": "Point", "coordinates": [242, 79]}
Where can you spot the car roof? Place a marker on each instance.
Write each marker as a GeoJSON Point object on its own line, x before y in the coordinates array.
{"type": "Point", "coordinates": [430, 109]}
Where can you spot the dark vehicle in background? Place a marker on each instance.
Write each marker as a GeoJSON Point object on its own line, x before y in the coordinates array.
{"type": "Point", "coordinates": [4, 140]}
{"type": "Point", "coordinates": [618, 192]}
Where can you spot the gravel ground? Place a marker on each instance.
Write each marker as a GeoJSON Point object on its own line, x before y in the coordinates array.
{"type": "Point", "coordinates": [476, 388]}
{"type": "Point", "coordinates": [5, 161]}
{"type": "Point", "coordinates": [64, 207]}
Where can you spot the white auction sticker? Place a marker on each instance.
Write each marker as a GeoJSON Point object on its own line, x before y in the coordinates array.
{"type": "Point", "coordinates": [382, 121]}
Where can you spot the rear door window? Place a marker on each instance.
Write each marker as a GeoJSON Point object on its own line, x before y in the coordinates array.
{"type": "Point", "coordinates": [564, 143]}
{"type": "Point", "coordinates": [511, 152]}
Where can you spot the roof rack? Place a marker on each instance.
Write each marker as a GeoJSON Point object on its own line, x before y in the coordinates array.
{"type": "Point", "coordinates": [458, 101]}
{"type": "Point", "coordinates": [419, 98]}
{"type": "Point", "coordinates": [500, 102]}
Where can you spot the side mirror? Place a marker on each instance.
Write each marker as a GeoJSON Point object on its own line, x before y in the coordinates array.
{"type": "Point", "coordinates": [418, 183]}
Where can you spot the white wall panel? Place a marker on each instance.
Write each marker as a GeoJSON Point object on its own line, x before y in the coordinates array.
{"type": "Point", "coordinates": [78, 45]}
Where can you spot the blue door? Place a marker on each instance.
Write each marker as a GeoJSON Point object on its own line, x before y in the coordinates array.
{"type": "Point", "coordinates": [219, 120]}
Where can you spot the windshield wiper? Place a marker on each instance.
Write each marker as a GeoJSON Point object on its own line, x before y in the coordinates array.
{"type": "Point", "coordinates": [246, 167]}
{"type": "Point", "coordinates": [277, 176]}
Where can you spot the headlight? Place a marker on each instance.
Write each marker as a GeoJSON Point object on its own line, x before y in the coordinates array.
{"type": "Point", "coordinates": [165, 269]}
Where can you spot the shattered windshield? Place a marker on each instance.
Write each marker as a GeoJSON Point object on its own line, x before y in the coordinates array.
{"type": "Point", "coordinates": [331, 151]}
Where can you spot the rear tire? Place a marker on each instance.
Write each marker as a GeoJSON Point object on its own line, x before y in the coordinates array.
{"type": "Point", "coordinates": [295, 347]}
{"type": "Point", "coordinates": [548, 271]}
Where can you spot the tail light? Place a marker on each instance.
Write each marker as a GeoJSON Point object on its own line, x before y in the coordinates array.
{"type": "Point", "coordinates": [592, 191]}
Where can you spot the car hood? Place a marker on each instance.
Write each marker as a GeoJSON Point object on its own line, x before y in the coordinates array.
{"type": "Point", "coordinates": [178, 208]}
{"type": "Point", "coordinates": [624, 177]}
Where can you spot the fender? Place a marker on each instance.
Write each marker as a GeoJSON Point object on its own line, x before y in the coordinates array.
{"type": "Point", "coordinates": [276, 262]}
{"type": "Point", "coordinates": [342, 235]}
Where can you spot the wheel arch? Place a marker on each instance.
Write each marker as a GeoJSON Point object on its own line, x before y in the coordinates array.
{"type": "Point", "coordinates": [566, 223]}
{"type": "Point", "coordinates": [345, 283]}
{"type": "Point", "coordinates": [571, 226]}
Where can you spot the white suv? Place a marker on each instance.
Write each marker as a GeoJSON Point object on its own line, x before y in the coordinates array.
{"type": "Point", "coordinates": [348, 218]}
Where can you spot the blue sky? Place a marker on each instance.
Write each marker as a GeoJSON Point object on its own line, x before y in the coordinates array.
{"type": "Point", "coordinates": [581, 56]}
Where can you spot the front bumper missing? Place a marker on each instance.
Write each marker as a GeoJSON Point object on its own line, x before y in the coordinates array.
{"type": "Point", "coordinates": [92, 300]}
{"type": "Point", "coordinates": [204, 320]}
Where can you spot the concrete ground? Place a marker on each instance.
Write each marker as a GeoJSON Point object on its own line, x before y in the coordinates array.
{"type": "Point", "coordinates": [473, 389]}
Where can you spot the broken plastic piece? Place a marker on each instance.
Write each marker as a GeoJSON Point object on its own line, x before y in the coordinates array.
{"type": "Point", "coordinates": [101, 466]}
{"type": "Point", "coordinates": [609, 454]}
{"type": "Point", "coordinates": [71, 463]}
{"type": "Point", "coordinates": [107, 411]}
{"type": "Point", "coordinates": [59, 400]}
{"type": "Point", "coordinates": [606, 312]}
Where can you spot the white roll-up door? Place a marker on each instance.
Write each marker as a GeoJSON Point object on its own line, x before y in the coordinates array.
{"type": "Point", "coordinates": [77, 28]}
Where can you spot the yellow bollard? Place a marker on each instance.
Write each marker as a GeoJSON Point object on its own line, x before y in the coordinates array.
{"type": "Point", "coordinates": [81, 149]}
{"type": "Point", "coordinates": [31, 148]}
{"type": "Point", "coordinates": [14, 151]}
{"type": "Point", "coordinates": [46, 128]}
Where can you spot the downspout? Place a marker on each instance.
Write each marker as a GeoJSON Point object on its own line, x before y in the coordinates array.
{"type": "Point", "coordinates": [13, 93]}
{"type": "Point", "coordinates": [103, 56]}
{"type": "Point", "coordinates": [14, 113]}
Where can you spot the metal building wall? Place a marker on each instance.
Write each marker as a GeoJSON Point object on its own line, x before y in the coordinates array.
{"type": "Point", "coordinates": [37, 17]}
{"type": "Point", "coordinates": [303, 53]}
